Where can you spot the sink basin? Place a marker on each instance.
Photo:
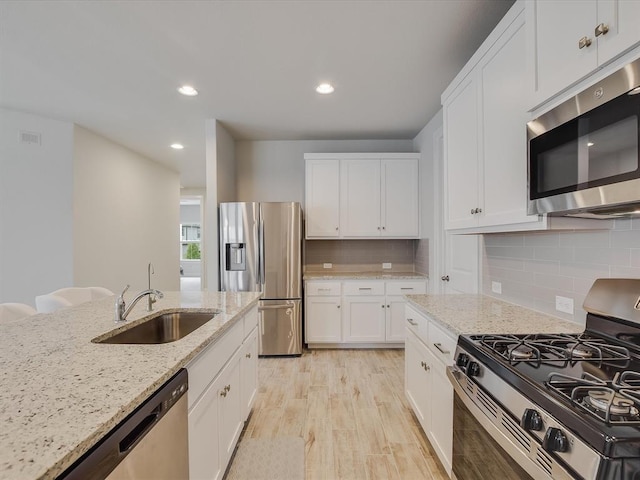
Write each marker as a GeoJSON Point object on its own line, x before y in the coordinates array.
{"type": "Point", "coordinates": [164, 328]}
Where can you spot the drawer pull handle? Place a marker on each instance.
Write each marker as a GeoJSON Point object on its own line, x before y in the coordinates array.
{"type": "Point", "coordinates": [364, 288]}
{"type": "Point", "coordinates": [324, 289]}
{"type": "Point", "coordinates": [439, 347]}
{"type": "Point", "coordinates": [412, 322]}
{"type": "Point", "coordinates": [406, 288]}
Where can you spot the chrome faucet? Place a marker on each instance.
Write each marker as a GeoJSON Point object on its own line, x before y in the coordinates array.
{"type": "Point", "coordinates": [150, 301]}
{"type": "Point", "coordinates": [122, 310]}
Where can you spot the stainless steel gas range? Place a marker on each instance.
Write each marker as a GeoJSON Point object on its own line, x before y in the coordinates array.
{"type": "Point", "coordinates": [553, 406]}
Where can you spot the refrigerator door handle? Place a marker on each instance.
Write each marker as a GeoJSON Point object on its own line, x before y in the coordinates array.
{"type": "Point", "coordinates": [261, 274]}
{"type": "Point", "coordinates": [274, 307]}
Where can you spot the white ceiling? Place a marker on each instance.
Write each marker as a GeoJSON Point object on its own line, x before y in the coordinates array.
{"type": "Point", "coordinates": [114, 66]}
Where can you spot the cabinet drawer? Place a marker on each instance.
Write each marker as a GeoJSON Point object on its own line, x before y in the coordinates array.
{"type": "Point", "coordinates": [323, 288]}
{"type": "Point", "coordinates": [363, 288]}
{"type": "Point", "coordinates": [205, 367]}
{"type": "Point", "coordinates": [406, 288]}
{"type": "Point", "coordinates": [441, 343]}
{"type": "Point", "coordinates": [417, 323]}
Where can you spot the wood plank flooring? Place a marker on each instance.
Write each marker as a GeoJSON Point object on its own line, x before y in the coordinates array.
{"type": "Point", "coordinates": [350, 408]}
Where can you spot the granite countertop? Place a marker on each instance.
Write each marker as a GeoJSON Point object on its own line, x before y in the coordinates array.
{"type": "Point", "coordinates": [469, 314]}
{"type": "Point", "coordinates": [60, 393]}
{"type": "Point", "coordinates": [364, 276]}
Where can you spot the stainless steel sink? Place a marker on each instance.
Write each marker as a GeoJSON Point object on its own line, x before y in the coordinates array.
{"type": "Point", "coordinates": [164, 328]}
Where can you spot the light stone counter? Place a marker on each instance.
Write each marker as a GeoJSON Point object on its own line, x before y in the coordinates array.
{"type": "Point", "coordinates": [477, 314]}
{"type": "Point", "coordinates": [60, 393]}
{"type": "Point", "coordinates": [364, 276]}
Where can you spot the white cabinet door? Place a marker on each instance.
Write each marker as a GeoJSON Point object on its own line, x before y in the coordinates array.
{"type": "Point", "coordinates": [399, 204]}
{"type": "Point", "coordinates": [504, 139]}
{"type": "Point", "coordinates": [249, 372]}
{"type": "Point", "coordinates": [323, 320]}
{"type": "Point", "coordinates": [621, 18]}
{"type": "Point", "coordinates": [364, 319]}
{"type": "Point", "coordinates": [360, 198]}
{"type": "Point", "coordinates": [461, 155]}
{"type": "Point", "coordinates": [230, 419]}
{"type": "Point", "coordinates": [417, 381]}
{"type": "Point", "coordinates": [395, 310]}
{"type": "Point", "coordinates": [322, 198]}
{"type": "Point", "coordinates": [442, 415]}
{"type": "Point", "coordinates": [559, 26]}
{"type": "Point", "coordinates": [204, 444]}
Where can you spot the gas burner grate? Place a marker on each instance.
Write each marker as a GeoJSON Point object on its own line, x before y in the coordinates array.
{"type": "Point", "coordinates": [557, 350]}
{"type": "Point", "coordinates": [614, 401]}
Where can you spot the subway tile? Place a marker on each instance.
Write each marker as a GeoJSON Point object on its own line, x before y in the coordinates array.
{"type": "Point", "coordinates": [510, 263]}
{"type": "Point", "coordinates": [618, 271]}
{"type": "Point", "coordinates": [583, 270]}
{"type": "Point", "coordinates": [622, 224]}
{"type": "Point", "coordinates": [509, 251]}
{"type": "Point", "coordinates": [554, 281]}
{"type": "Point", "coordinates": [625, 239]}
{"type": "Point", "coordinates": [542, 240]}
{"type": "Point", "coordinates": [583, 285]}
{"type": "Point", "coordinates": [635, 223]}
{"type": "Point", "coordinates": [585, 239]}
{"type": "Point", "coordinates": [602, 256]}
{"type": "Point", "coordinates": [553, 253]}
{"type": "Point", "coordinates": [504, 239]}
{"type": "Point", "coordinates": [635, 257]}
{"type": "Point", "coordinates": [541, 266]}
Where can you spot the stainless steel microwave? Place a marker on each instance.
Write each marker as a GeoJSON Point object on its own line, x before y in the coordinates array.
{"type": "Point", "coordinates": [583, 155]}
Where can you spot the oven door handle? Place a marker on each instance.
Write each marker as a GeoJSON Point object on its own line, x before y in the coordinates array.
{"type": "Point", "coordinates": [520, 456]}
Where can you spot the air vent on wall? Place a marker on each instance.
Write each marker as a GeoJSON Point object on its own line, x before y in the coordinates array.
{"type": "Point", "coordinates": [30, 138]}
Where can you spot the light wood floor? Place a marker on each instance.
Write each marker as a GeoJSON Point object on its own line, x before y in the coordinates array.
{"type": "Point", "coordinates": [350, 408]}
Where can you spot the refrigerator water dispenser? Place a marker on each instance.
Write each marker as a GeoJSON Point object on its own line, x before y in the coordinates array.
{"type": "Point", "coordinates": [235, 257]}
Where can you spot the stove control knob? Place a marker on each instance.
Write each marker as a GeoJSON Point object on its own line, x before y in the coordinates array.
{"type": "Point", "coordinates": [473, 369]}
{"type": "Point", "coordinates": [555, 440]}
{"type": "Point", "coordinates": [531, 420]}
{"type": "Point", "coordinates": [462, 360]}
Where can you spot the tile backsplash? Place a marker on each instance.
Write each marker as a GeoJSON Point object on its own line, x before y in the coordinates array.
{"type": "Point", "coordinates": [535, 267]}
{"type": "Point", "coordinates": [359, 255]}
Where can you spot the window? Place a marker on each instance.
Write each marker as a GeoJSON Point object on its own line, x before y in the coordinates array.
{"type": "Point", "coordinates": [190, 241]}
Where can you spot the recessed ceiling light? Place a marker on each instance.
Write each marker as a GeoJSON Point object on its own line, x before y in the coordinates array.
{"type": "Point", "coordinates": [188, 90]}
{"type": "Point", "coordinates": [325, 88]}
{"type": "Point", "coordinates": [177, 146]}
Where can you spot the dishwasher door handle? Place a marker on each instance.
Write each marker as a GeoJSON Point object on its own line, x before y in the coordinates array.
{"type": "Point", "coordinates": [139, 431]}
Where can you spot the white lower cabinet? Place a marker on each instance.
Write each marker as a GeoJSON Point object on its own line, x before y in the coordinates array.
{"type": "Point", "coordinates": [357, 312]}
{"type": "Point", "coordinates": [429, 349]}
{"type": "Point", "coordinates": [222, 389]}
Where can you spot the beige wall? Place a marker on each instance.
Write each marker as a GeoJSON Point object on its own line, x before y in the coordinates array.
{"type": "Point", "coordinates": [273, 171]}
{"type": "Point", "coordinates": [36, 201]}
{"type": "Point", "coordinates": [126, 214]}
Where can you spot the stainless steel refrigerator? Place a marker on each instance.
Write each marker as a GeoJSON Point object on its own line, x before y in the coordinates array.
{"type": "Point", "coordinates": [260, 250]}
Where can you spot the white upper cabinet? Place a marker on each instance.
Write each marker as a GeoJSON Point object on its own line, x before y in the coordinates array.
{"type": "Point", "coordinates": [378, 195]}
{"type": "Point", "coordinates": [322, 198]}
{"type": "Point", "coordinates": [485, 135]}
{"type": "Point", "coordinates": [360, 193]}
{"type": "Point", "coordinates": [572, 38]}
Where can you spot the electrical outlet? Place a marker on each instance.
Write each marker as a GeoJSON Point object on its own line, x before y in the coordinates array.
{"type": "Point", "coordinates": [496, 287]}
{"type": "Point", "coordinates": [386, 266]}
{"type": "Point", "coordinates": [564, 304]}
{"type": "Point", "coordinates": [327, 265]}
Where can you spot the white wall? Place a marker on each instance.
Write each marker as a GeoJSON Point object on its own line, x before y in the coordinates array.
{"type": "Point", "coordinates": [126, 214]}
{"type": "Point", "coordinates": [210, 211]}
{"type": "Point", "coordinates": [273, 171]}
{"type": "Point", "coordinates": [36, 243]}
{"type": "Point", "coordinates": [429, 181]}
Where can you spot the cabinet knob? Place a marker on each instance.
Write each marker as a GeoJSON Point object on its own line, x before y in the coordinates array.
{"type": "Point", "coordinates": [223, 393]}
{"type": "Point", "coordinates": [445, 278]}
{"type": "Point", "coordinates": [584, 42]}
{"type": "Point", "coordinates": [601, 29]}
{"type": "Point", "coordinates": [388, 306]}
{"type": "Point", "coordinates": [382, 306]}
{"type": "Point", "coordinates": [338, 306]}
{"type": "Point", "coordinates": [384, 228]}
{"type": "Point", "coordinates": [378, 228]}
{"type": "Point", "coordinates": [336, 229]}
{"type": "Point", "coordinates": [473, 210]}
{"type": "Point", "coordinates": [478, 210]}
{"type": "Point", "coordinates": [248, 355]}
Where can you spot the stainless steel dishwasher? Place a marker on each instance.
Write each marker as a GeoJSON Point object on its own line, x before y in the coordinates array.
{"type": "Point", "coordinates": [151, 443]}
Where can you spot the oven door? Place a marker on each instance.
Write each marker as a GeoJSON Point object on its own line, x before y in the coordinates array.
{"type": "Point", "coordinates": [489, 443]}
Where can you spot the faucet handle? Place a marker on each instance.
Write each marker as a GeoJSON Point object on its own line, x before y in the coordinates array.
{"type": "Point", "coordinates": [124, 291]}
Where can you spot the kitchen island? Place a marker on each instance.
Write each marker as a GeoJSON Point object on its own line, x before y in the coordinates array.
{"type": "Point", "coordinates": [60, 393]}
